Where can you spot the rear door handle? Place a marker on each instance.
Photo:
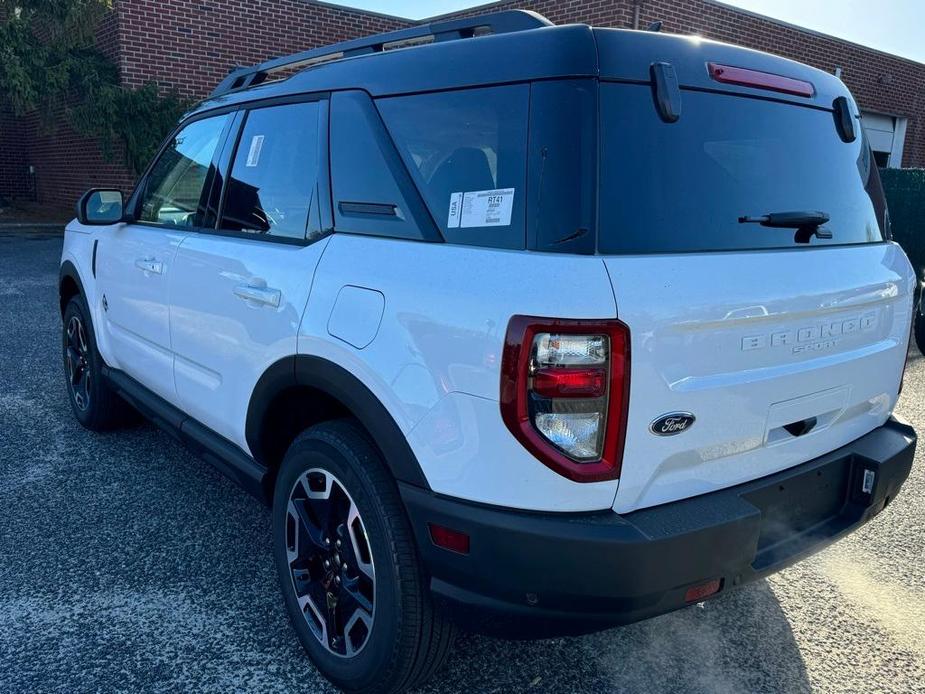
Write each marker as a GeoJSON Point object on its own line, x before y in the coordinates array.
{"type": "Point", "coordinates": [258, 295]}
{"type": "Point", "coordinates": [150, 265]}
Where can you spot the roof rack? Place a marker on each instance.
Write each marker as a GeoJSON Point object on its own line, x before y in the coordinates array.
{"type": "Point", "coordinates": [498, 23]}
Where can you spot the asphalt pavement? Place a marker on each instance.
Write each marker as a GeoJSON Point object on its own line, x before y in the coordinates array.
{"type": "Point", "coordinates": [127, 564]}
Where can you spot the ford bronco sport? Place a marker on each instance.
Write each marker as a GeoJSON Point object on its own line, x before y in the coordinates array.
{"type": "Point", "coordinates": [535, 329]}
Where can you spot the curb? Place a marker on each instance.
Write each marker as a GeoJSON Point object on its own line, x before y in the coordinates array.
{"type": "Point", "coordinates": [25, 225]}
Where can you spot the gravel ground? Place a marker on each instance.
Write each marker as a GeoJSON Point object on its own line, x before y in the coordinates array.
{"type": "Point", "coordinates": [126, 564]}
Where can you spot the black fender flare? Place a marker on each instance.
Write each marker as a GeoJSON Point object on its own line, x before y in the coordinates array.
{"type": "Point", "coordinates": [69, 270]}
{"type": "Point", "coordinates": [333, 380]}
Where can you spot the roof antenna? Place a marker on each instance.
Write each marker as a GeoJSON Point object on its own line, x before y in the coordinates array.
{"type": "Point", "coordinates": [655, 26]}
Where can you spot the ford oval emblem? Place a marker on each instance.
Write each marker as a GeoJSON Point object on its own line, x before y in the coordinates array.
{"type": "Point", "coordinates": [672, 423]}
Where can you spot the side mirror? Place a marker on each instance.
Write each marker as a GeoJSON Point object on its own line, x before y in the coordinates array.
{"type": "Point", "coordinates": [100, 207]}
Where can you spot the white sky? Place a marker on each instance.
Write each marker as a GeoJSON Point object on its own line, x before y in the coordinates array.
{"type": "Point", "coordinates": [894, 26]}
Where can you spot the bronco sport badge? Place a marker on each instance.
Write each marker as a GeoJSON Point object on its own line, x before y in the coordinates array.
{"type": "Point", "coordinates": [812, 338]}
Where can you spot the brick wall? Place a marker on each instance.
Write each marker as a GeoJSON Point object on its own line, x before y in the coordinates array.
{"type": "Point", "coordinates": [189, 45]}
{"type": "Point", "coordinates": [67, 164]}
{"type": "Point", "coordinates": [14, 181]}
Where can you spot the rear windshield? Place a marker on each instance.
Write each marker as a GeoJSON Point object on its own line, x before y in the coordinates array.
{"type": "Point", "coordinates": [682, 187]}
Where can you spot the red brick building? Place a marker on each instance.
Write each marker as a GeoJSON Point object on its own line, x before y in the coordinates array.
{"type": "Point", "coordinates": [190, 45]}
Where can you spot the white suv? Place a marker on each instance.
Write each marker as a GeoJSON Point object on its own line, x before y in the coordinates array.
{"type": "Point", "coordinates": [535, 329]}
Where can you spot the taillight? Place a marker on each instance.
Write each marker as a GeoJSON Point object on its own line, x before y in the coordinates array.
{"type": "Point", "coordinates": [565, 393]}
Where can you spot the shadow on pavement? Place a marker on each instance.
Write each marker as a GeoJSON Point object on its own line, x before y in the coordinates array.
{"type": "Point", "coordinates": [699, 649]}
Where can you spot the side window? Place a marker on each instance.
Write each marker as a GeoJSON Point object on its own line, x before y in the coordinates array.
{"type": "Point", "coordinates": [173, 193]}
{"type": "Point", "coordinates": [373, 193]}
{"type": "Point", "coordinates": [274, 173]}
{"type": "Point", "coordinates": [467, 151]}
{"type": "Point", "coordinates": [562, 166]}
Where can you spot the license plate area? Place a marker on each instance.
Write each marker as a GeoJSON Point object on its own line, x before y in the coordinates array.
{"type": "Point", "coordinates": [801, 510]}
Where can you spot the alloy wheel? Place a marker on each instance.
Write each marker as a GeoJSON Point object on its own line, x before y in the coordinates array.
{"type": "Point", "coordinates": [77, 357]}
{"type": "Point", "coordinates": [330, 562]}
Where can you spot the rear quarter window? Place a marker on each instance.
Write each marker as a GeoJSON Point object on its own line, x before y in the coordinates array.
{"type": "Point", "coordinates": [681, 187]}
{"type": "Point", "coordinates": [466, 151]}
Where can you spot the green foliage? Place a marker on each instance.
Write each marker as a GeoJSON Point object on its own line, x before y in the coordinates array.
{"type": "Point", "coordinates": [49, 63]}
{"type": "Point", "coordinates": [138, 119]}
{"type": "Point", "coordinates": [905, 196]}
{"type": "Point", "coordinates": [47, 49]}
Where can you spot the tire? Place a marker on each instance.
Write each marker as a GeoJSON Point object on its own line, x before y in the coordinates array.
{"type": "Point", "coordinates": [95, 405]}
{"type": "Point", "coordinates": [397, 639]}
{"type": "Point", "coordinates": [918, 331]}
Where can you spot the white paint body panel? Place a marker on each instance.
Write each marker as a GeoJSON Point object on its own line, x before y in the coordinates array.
{"type": "Point", "coordinates": [78, 250]}
{"type": "Point", "coordinates": [423, 325]}
{"type": "Point", "coordinates": [751, 341]}
{"type": "Point", "coordinates": [469, 452]}
{"type": "Point", "coordinates": [137, 322]}
{"type": "Point", "coordinates": [442, 332]}
{"type": "Point", "coordinates": [223, 341]}
{"type": "Point", "coordinates": [356, 315]}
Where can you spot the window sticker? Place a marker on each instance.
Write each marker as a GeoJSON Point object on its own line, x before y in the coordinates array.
{"type": "Point", "coordinates": [481, 208]}
{"type": "Point", "coordinates": [253, 156]}
{"type": "Point", "coordinates": [455, 210]}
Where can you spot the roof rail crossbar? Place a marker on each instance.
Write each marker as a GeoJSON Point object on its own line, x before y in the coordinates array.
{"type": "Point", "coordinates": [498, 23]}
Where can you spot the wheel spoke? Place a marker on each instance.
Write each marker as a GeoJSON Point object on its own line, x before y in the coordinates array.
{"type": "Point", "coordinates": [359, 542]}
{"type": "Point", "coordinates": [322, 500]}
{"type": "Point", "coordinates": [353, 643]}
{"type": "Point", "coordinates": [313, 533]}
{"type": "Point", "coordinates": [81, 338]}
{"type": "Point", "coordinates": [318, 617]}
{"type": "Point", "coordinates": [293, 544]}
{"type": "Point", "coordinates": [72, 332]}
{"type": "Point", "coordinates": [351, 594]}
{"type": "Point", "coordinates": [83, 384]}
{"type": "Point", "coordinates": [73, 365]}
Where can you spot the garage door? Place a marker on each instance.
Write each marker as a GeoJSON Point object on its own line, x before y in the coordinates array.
{"type": "Point", "coordinates": [886, 135]}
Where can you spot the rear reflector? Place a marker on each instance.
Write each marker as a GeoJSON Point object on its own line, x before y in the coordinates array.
{"type": "Point", "coordinates": [450, 539]}
{"type": "Point", "coordinates": [704, 590]}
{"type": "Point", "coordinates": [760, 80]}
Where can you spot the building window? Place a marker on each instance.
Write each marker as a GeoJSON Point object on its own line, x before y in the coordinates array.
{"type": "Point", "coordinates": [886, 135]}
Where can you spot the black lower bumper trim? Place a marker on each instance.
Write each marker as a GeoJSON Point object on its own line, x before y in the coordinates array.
{"type": "Point", "coordinates": [540, 574]}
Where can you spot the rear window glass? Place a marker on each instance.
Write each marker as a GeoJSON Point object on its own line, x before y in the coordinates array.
{"type": "Point", "coordinates": [466, 151]}
{"type": "Point", "coordinates": [675, 187]}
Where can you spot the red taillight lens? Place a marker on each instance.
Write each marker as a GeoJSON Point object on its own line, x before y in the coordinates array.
{"type": "Point", "coordinates": [570, 383]}
{"type": "Point", "coordinates": [743, 77]}
{"type": "Point", "coordinates": [564, 393]}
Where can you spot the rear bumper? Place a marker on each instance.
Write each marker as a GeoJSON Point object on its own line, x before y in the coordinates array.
{"type": "Point", "coordinates": [541, 574]}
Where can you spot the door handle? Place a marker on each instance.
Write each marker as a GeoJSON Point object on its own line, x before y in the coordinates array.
{"type": "Point", "coordinates": [150, 265]}
{"type": "Point", "coordinates": [259, 295]}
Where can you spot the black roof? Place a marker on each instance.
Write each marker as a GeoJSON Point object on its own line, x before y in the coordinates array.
{"type": "Point", "coordinates": [522, 46]}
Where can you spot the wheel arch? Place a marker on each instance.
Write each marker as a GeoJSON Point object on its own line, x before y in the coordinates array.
{"type": "Point", "coordinates": [301, 390]}
{"type": "Point", "coordinates": [69, 284]}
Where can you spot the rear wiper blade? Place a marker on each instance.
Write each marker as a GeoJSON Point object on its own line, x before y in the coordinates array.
{"type": "Point", "coordinates": [806, 222]}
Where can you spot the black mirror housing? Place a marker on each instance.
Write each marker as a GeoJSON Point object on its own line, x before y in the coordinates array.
{"type": "Point", "coordinates": [100, 207]}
